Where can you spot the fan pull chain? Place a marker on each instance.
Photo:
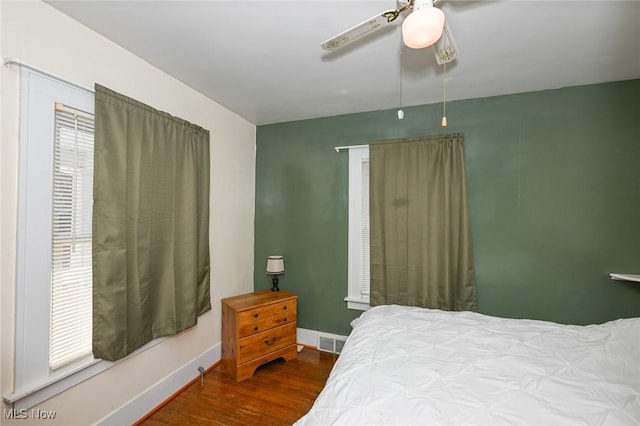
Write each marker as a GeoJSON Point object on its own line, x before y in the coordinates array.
{"type": "Point", "coordinates": [443, 123]}
{"type": "Point", "coordinates": [400, 111]}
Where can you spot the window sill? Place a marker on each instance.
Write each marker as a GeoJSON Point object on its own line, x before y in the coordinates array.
{"type": "Point", "coordinates": [357, 304]}
{"type": "Point", "coordinates": [625, 277]}
{"type": "Point", "coordinates": [28, 398]}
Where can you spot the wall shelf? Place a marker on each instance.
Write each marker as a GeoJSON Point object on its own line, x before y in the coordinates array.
{"type": "Point", "coordinates": [625, 277]}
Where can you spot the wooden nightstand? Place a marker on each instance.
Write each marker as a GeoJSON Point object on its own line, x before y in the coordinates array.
{"type": "Point", "coordinates": [258, 328]}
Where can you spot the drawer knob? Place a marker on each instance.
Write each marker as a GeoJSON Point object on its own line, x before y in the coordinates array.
{"type": "Point", "coordinates": [284, 307]}
{"type": "Point", "coordinates": [255, 315]}
{"type": "Point", "coordinates": [285, 318]}
{"type": "Point", "coordinates": [255, 328]}
{"type": "Point", "coordinates": [270, 342]}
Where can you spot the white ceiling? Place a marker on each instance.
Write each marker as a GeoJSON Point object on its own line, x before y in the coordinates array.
{"type": "Point", "coordinates": [262, 59]}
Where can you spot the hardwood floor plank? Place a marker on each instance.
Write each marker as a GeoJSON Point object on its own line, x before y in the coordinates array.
{"type": "Point", "coordinates": [279, 393]}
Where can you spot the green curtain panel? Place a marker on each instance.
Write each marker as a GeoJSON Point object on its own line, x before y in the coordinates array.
{"type": "Point", "coordinates": [151, 271]}
{"type": "Point", "coordinates": [420, 241]}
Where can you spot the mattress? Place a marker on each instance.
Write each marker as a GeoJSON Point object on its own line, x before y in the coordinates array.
{"type": "Point", "coordinates": [415, 366]}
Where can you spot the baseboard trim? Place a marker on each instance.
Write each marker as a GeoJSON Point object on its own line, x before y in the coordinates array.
{"type": "Point", "coordinates": [176, 393]}
{"type": "Point", "coordinates": [307, 337]}
{"type": "Point", "coordinates": [161, 393]}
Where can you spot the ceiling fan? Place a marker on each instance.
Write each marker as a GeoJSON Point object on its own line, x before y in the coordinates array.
{"type": "Point", "coordinates": [425, 26]}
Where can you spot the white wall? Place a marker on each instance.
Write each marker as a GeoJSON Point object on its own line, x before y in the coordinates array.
{"type": "Point", "coordinates": [34, 33]}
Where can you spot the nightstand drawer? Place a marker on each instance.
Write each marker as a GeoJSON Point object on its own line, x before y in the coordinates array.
{"type": "Point", "coordinates": [262, 343]}
{"type": "Point", "coordinates": [266, 317]}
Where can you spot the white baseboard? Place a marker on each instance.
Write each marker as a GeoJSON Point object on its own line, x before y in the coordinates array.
{"type": "Point", "coordinates": [307, 337]}
{"type": "Point", "coordinates": [155, 395]}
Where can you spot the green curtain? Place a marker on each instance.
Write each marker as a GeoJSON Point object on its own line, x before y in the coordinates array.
{"type": "Point", "coordinates": [420, 241]}
{"type": "Point", "coordinates": [151, 272]}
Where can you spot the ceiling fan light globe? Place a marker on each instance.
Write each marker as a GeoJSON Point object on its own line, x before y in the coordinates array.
{"type": "Point", "coordinates": [423, 27]}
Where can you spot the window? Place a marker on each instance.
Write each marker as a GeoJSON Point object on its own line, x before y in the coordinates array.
{"type": "Point", "coordinates": [358, 287]}
{"type": "Point", "coordinates": [54, 290]}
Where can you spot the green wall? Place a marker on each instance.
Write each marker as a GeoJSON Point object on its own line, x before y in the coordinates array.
{"type": "Point", "coordinates": [554, 194]}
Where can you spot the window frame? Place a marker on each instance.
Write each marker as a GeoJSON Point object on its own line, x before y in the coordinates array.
{"type": "Point", "coordinates": [34, 381]}
{"type": "Point", "coordinates": [30, 388]}
{"type": "Point", "coordinates": [355, 298]}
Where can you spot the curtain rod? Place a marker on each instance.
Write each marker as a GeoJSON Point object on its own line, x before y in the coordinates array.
{"type": "Point", "coordinates": [340, 148]}
{"type": "Point", "coordinates": [7, 62]}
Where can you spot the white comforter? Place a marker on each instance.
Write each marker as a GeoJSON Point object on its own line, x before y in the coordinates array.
{"type": "Point", "coordinates": [414, 366]}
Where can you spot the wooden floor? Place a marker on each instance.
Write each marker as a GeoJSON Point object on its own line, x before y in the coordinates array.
{"type": "Point", "coordinates": [279, 393]}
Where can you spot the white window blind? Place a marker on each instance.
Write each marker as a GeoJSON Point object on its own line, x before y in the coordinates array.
{"type": "Point", "coordinates": [364, 261]}
{"type": "Point", "coordinates": [70, 327]}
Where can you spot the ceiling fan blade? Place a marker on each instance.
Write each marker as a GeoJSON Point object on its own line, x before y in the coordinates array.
{"type": "Point", "coordinates": [445, 48]}
{"type": "Point", "coordinates": [360, 30]}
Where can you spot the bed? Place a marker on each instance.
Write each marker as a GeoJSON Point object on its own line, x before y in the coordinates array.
{"type": "Point", "coordinates": [415, 366]}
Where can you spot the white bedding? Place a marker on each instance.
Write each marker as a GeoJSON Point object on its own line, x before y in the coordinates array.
{"type": "Point", "coordinates": [414, 366]}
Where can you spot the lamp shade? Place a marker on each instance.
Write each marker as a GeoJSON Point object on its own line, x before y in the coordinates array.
{"type": "Point", "coordinates": [423, 27]}
{"type": "Point", "coordinates": [275, 265]}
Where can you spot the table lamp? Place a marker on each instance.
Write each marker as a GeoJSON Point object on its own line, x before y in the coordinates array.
{"type": "Point", "coordinates": [275, 267]}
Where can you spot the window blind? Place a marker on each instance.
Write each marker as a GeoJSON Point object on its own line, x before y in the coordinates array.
{"type": "Point", "coordinates": [364, 261]}
{"type": "Point", "coordinates": [70, 328]}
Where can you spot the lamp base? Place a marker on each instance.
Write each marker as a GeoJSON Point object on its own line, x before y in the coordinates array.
{"type": "Point", "coordinates": [275, 284]}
